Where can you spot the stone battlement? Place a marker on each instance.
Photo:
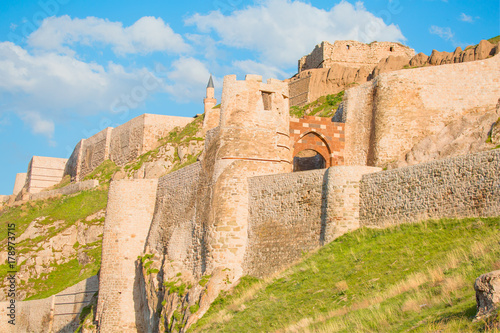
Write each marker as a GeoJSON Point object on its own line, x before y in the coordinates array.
{"type": "Point", "coordinates": [352, 53]}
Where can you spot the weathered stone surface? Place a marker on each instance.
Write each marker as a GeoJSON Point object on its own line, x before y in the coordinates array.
{"type": "Point", "coordinates": [389, 64]}
{"type": "Point", "coordinates": [419, 60]}
{"type": "Point", "coordinates": [487, 288]}
{"type": "Point", "coordinates": [130, 208]}
{"type": "Point", "coordinates": [462, 186]}
{"type": "Point", "coordinates": [387, 117]}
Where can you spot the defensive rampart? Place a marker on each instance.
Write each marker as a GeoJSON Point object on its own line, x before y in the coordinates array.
{"type": "Point", "coordinates": [296, 212]}
{"type": "Point", "coordinates": [386, 117]}
{"type": "Point", "coordinates": [19, 183]}
{"type": "Point", "coordinates": [463, 186]}
{"type": "Point", "coordinates": [44, 172]}
{"type": "Point", "coordinates": [352, 54]}
{"type": "Point", "coordinates": [129, 212]}
{"type": "Point", "coordinates": [121, 144]}
{"type": "Point", "coordinates": [69, 189]}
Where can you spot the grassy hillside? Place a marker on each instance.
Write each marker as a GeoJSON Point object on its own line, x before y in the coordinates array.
{"type": "Point", "coordinates": [415, 277]}
{"type": "Point", "coordinates": [325, 106]}
{"type": "Point", "coordinates": [52, 217]}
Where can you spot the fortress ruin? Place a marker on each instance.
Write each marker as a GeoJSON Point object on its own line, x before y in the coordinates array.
{"type": "Point", "coordinates": [241, 210]}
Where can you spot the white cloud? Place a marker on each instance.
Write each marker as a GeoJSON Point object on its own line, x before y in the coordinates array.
{"type": "Point", "coordinates": [146, 35]}
{"type": "Point", "coordinates": [53, 84]}
{"type": "Point", "coordinates": [466, 18]}
{"type": "Point", "coordinates": [188, 79]}
{"type": "Point", "coordinates": [284, 30]}
{"type": "Point", "coordinates": [443, 32]}
{"type": "Point", "coordinates": [37, 124]}
{"type": "Point", "coordinates": [253, 67]}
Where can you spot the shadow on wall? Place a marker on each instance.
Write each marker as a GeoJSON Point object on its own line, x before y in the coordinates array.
{"type": "Point", "coordinates": [308, 160]}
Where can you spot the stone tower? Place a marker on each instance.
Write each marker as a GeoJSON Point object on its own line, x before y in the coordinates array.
{"type": "Point", "coordinates": [211, 115]}
{"type": "Point", "coordinates": [252, 140]}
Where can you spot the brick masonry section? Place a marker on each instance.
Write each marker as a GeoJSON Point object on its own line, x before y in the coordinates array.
{"type": "Point", "coordinates": [319, 134]}
{"type": "Point", "coordinates": [463, 186]}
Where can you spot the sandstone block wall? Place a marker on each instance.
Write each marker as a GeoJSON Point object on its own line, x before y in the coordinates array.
{"type": "Point", "coordinates": [19, 183]}
{"type": "Point", "coordinates": [296, 212]}
{"type": "Point", "coordinates": [175, 230]}
{"type": "Point", "coordinates": [299, 90]}
{"type": "Point", "coordinates": [352, 53]}
{"type": "Point", "coordinates": [385, 118]}
{"type": "Point", "coordinates": [44, 172]}
{"type": "Point", "coordinates": [129, 212]}
{"type": "Point", "coordinates": [59, 313]}
{"type": "Point", "coordinates": [94, 151]}
{"type": "Point", "coordinates": [463, 186]}
{"type": "Point", "coordinates": [321, 135]}
{"type": "Point", "coordinates": [70, 189]}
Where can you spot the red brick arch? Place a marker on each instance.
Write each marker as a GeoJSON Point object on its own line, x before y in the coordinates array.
{"type": "Point", "coordinates": [321, 135]}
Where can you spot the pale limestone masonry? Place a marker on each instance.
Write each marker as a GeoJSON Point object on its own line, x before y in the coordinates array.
{"type": "Point", "coordinates": [44, 172]}
{"type": "Point", "coordinates": [58, 313]}
{"type": "Point", "coordinates": [121, 144]}
{"type": "Point", "coordinates": [213, 227]}
{"type": "Point", "coordinates": [296, 212]}
{"type": "Point", "coordinates": [69, 189]}
{"type": "Point", "coordinates": [352, 53]}
{"type": "Point", "coordinates": [463, 186]}
{"type": "Point", "coordinates": [19, 183]}
{"type": "Point", "coordinates": [131, 205]}
{"type": "Point", "coordinates": [388, 116]}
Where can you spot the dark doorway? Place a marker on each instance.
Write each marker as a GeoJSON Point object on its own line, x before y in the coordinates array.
{"type": "Point", "coordinates": [308, 160]}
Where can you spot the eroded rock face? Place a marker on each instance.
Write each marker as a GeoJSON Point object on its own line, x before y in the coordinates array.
{"type": "Point", "coordinates": [487, 288]}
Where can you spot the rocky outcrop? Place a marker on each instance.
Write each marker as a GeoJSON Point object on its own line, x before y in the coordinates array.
{"type": "Point", "coordinates": [487, 288]}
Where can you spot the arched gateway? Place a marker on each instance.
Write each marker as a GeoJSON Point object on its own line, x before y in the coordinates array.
{"type": "Point", "coordinates": [318, 143]}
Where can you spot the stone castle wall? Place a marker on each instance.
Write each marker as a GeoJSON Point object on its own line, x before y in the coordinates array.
{"type": "Point", "coordinates": [463, 186]}
{"type": "Point", "coordinates": [299, 90]}
{"type": "Point", "coordinates": [386, 117]}
{"type": "Point", "coordinates": [352, 53]}
{"type": "Point", "coordinates": [19, 183]}
{"type": "Point", "coordinates": [44, 172]}
{"type": "Point", "coordinates": [180, 238]}
{"type": "Point", "coordinates": [121, 144]}
{"type": "Point", "coordinates": [69, 189]}
{"type": "Point", "coordinates": [131, 205]}
{"type": "Point", "coordinates": [296, 212]}
{"type": "Point", "coordinates": [58, 313]}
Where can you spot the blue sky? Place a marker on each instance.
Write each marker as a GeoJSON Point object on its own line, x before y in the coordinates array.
{"type": "Point", "coordinates": [69, 68]}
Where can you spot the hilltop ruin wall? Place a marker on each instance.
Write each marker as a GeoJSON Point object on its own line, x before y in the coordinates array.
{"type": "Point", "coordinates": [121, 144]}
{"type": "Point", "coordinates": [352, 53]}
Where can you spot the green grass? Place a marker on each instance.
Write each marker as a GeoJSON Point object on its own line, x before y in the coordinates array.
{"type": "Point", "coordinates": [413, 277]}
{"type": "Point", "coordinates": [494, 40]}
{"type": "Point", "coordinates": [103, 172]}
{"type": "Point", "coordinates": [66, 275]}
{"type": "Point", "coordinates": [67, 208]}
{"type": "Point", "coordinates": [325, 106]}
{"type": "Point", "coordinates": [185, 135]}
